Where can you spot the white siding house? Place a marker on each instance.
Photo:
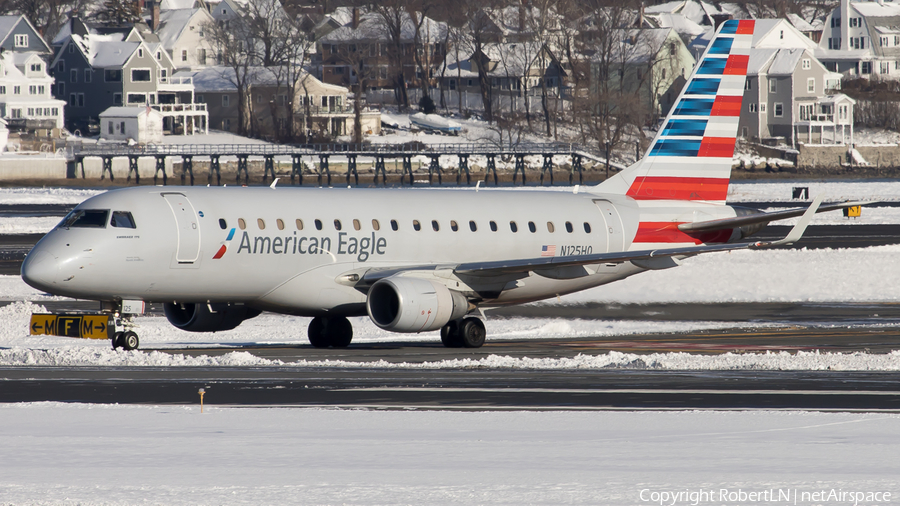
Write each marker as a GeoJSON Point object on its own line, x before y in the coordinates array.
{"type": "Point", "coordinates": [140, 124]}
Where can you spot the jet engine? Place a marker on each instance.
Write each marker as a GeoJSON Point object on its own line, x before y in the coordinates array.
{"type": "Point", "coordinates": [198, 317]}
{"type": "Point", "coordinates": [406, 304]}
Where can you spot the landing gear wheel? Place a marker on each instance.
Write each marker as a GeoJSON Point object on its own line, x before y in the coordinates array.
{"type": "Point", "coordinates": [117, 340]}
{"type": "Point", "coordinates": [472, 333]}
{"type": "Point", "coordinates": [450, 335]}
{"type": "Point", "coordinates": [335, 332]}
{"type": "Point", "coordinates": [129, 341]}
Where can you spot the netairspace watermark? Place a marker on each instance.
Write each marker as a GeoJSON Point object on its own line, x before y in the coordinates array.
{"type": "Point", "coordinates": [725, 496]}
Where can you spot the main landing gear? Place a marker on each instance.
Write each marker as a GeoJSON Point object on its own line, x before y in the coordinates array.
{"type": "Point", "coordinates": [465, 333]}
{"type": "Point", "coordinates": [334, 332]}
{"type": "Point", "coordinates": [127, 340]}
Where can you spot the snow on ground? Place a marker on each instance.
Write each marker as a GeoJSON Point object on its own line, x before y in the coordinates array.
{"type": "Point", "coordinates": [28, 225]}
{"type": "Point", "coordinates": [51, 195]}
{"type": "Point", "coordinates": [86, 454]}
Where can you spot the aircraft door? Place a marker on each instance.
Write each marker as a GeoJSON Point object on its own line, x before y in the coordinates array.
{"type": "Point", "coordinates": [188, 226]}
{"type": "Point", "coordinates": [615, 229]}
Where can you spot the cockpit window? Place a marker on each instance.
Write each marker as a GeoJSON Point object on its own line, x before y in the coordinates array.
{"type": "Point", "coordinates": [122, 219]}
{"type": "Point", "coordinates": [86, 218]}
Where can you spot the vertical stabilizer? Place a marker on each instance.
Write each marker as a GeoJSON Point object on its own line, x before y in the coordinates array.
{"type": "Point", "coordinates": [690, 158]}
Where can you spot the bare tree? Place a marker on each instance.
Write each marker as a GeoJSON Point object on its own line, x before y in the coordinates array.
{"type": "Point", "coordinates": [47, 16]}
{"type": "Point", "coordinates": [120, 12]}
{"type": "Point", "coordinates": [392, 14]}
{"type": "Point", "coordinates": [235, 50]}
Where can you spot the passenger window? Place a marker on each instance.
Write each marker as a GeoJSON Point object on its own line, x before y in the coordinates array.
{"type": "Point", "coordinates": [242, 224]}
{"type": "Point", "coordinates": [453, 226]}
{"type": "Point", "coordinates": [435, 226]}
{"type": "Point", "coordinates": [318, 224]}
{"type": "Point", "coordinates": [375, 225]}
{"type": "Point", "coordinates": [587, 227]}
{"type": "Point", "coordinates": [550, 227]}
{"type": "Point", "coordinates": [356, 225]}
{"type": "Point", "coordinates": [260, 223]}
{"type": "Point", "coordinates": [299, 223]}
{"type": "Point", "coordinates": [417, 225]}
{"type": "Point", "coordinates": [472, 226]}
{"type": "Point", "coordinates": [493, 226]}
{"type": "Point", "coordinates": [222, 224]}
{"type": "Point", "coordinates": [337, 224]}
{"type": "Point", "coordinates": [394, 226]}
{"type": "Point", "coordinates": [532, 227]}
{"type": "Point", "coordinates": [513, 226]}
{"type": "Point", "coordinates": [569, 228]}
{"type": "Point", "coordinates": [279, 223]}
{"type": "Point", "coordinates": [122, 219]}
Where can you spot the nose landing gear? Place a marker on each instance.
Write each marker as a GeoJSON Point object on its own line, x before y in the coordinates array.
{"type": "Point", "coordinates": [126, 340]}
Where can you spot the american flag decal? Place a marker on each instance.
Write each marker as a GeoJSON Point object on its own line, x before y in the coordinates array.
{"type": "Point", "coordinates": [548, 251]}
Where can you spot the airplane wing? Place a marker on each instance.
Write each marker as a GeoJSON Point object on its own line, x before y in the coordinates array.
{"type": "Point", "coordinates": [758, 218]}
{"type": "Point", "coordinates": [554, 264]}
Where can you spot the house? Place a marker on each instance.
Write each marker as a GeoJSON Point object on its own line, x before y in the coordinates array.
{"type": "Point", "coordinates": [789, 91]}
{"type": "Point", "coordinates": [19, 35]}
{"type": "Point", "coordinates": [26, 102]}
{"type": "Point", "coordinates": [862, 39]}
{"type": "Point", "coordinates": [181, 33]}
{"type": "Point", "coordinates": [514, 70]}
{"type": "Point", "coordinates": [95, 72]}
{"type": "Point", "coordinates": [652, 64]}
{"type": "Point", "coordinates": [317, 108]}
{"type": "Point", "coordinates": [365, 43]}
{"type": "Point", "coordinates": [139, 124]}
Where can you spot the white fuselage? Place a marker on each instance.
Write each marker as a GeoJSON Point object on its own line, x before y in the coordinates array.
{"type": "Point", "coordinates": [290, 247]}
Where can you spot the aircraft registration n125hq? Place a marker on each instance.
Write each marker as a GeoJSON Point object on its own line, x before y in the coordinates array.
{"type": "Point", "coordinates": [414, 260]}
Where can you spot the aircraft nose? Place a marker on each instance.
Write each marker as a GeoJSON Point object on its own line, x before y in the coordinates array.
{"type": "Point", "coordinates": [40, 270]}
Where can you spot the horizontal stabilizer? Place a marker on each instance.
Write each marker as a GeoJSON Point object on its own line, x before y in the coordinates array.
{"type": "Point", "coordinates": [754, 219]}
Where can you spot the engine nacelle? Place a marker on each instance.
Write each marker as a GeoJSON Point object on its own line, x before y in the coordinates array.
{"type": "Point", "coordinates": [197, 317]}
{"type": "Point", "coordinates": [402, 304]}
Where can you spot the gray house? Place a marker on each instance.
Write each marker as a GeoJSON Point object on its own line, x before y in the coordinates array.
{"type": "Point", "coordinates": [18, 34]}
{"type": "Point", "coordinates": [94, 72]}
{"type": "Point", "coordinates": [789, 92]}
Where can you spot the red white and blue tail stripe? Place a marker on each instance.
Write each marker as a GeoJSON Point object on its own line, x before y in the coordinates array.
{"type": "Point", "coordinates": [690, 158]}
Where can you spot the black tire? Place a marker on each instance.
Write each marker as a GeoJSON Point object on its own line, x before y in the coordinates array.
{"type": "Point", "coordinates": [117, 340]}
{"type": "Point", "coordinates": [336, 332]}
{"type": "Point", "coordinates": [340, 331]}
{"type": "Point", "coordinates": [450, 335]}
{"type": "Point", "coordinates": [316, 333]}
{"type": "Point", "coordinates": [130, 341]}
{"type": "Point", "coordinates": [472, 333]}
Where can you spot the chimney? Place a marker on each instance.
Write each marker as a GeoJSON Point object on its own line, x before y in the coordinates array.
{"type": "Point", "coordinates": [355, 22]}
{"type": "Point", "coordinates": [154, 16]}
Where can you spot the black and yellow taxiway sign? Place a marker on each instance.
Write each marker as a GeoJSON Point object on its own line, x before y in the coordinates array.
{"type": "Point", "coordinates": [88, 326]}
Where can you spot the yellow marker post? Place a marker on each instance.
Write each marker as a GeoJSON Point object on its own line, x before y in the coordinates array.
{"type": "Point", "coordinates": [201, 392]}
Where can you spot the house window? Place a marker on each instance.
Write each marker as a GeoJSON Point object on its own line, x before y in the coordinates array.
{"type": "Point", "coordinates": [184, 55]}
{"type": "Point", "coordinates": [806, 111]}
{"type": "Point", "coordinates": [73, 75]}
{"type": "Point", "coordinates": [32, 89]}
{"type": "Point", "coordinates": [747, 84]}
{"type": "Point", "coordinates": [140, 75]}
{"type": "Point", "coordinates": [61, 89]}
{"type": "Point", "coordinates": [117, 99]}
{"type": "Point", "coordinates": [866, 67]}
{"type": "Point", "coordinates": [109, 127]}
{"type": "Point", "coordinates": [762, 107]}
{"type": "Point", "coordinates": [61, 65]}
{"type": "Point", "coordinates": [2, 90]}
{"type": "Point", "coordinates": [137, 98]}
{"type": "Point", "coordinates": [772, 86]}
{"type": "Point", "coordinates": [71, 48]}
{"type": "Point", "coordinates": [226, 100]}
{"type": "Point", "coordinates": [199, 99]}
{"type": "Point", "coordinates": [140, 52]}
{"type": "Point", "coordinates": [17, 90]}
{"type": "Point", "coordinates": [122, 127]}
{"type": "Point", "coordinates": [779, 109]}
{"type": "Point", "coordinates": [112, 75]}
{"type": "Point", "coordinates": [163, 75]}
{"type": "Point", "coordinates": [752, 107]}
{"type": "Point", "coordinates": [21, 40]}
{"type": "Point", "coordinates": [744, 132]}
{"type": "Point", "coordinates": [36, 67]}
{"type": "Point", "coordinates": [807, 64]}
{"type": "Point", "coordinates": [811, 85]}
{"type": "Point", "coordinates": [88, 75]}
{"type": "Point", "coordinates": [884, 67]}
{"type": "Point", "coordinates": [201, 56]}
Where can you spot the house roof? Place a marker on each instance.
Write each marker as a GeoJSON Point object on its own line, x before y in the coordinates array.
{"type": "Point", "coordinates": [8, 23]}
{"type": "Point", "coordinates": [222, 79]}
{"type": "Point", "coordinates": [168, 5]}
{"type": "Point", "coordinates": [127, 112]}
{"type": "Point", "coordinates": [876, 9]}
{"type": "Point", "coordinates": [173, 23]}
{"type": "Point", "coordinates": [785, 62]}
{"type": "Point", "coordinates": [678, 22]}
{"type": "Point", "coordinates": [371, 27]}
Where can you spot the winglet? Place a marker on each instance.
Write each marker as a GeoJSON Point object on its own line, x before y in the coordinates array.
{"type": "Point", "coordinates": [798, 230]}
{"type": "Point", "coordinates": [272, 186]}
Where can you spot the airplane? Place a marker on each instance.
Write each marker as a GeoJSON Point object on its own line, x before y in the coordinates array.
{"type": "Point", "coordinates": [414, 260]}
